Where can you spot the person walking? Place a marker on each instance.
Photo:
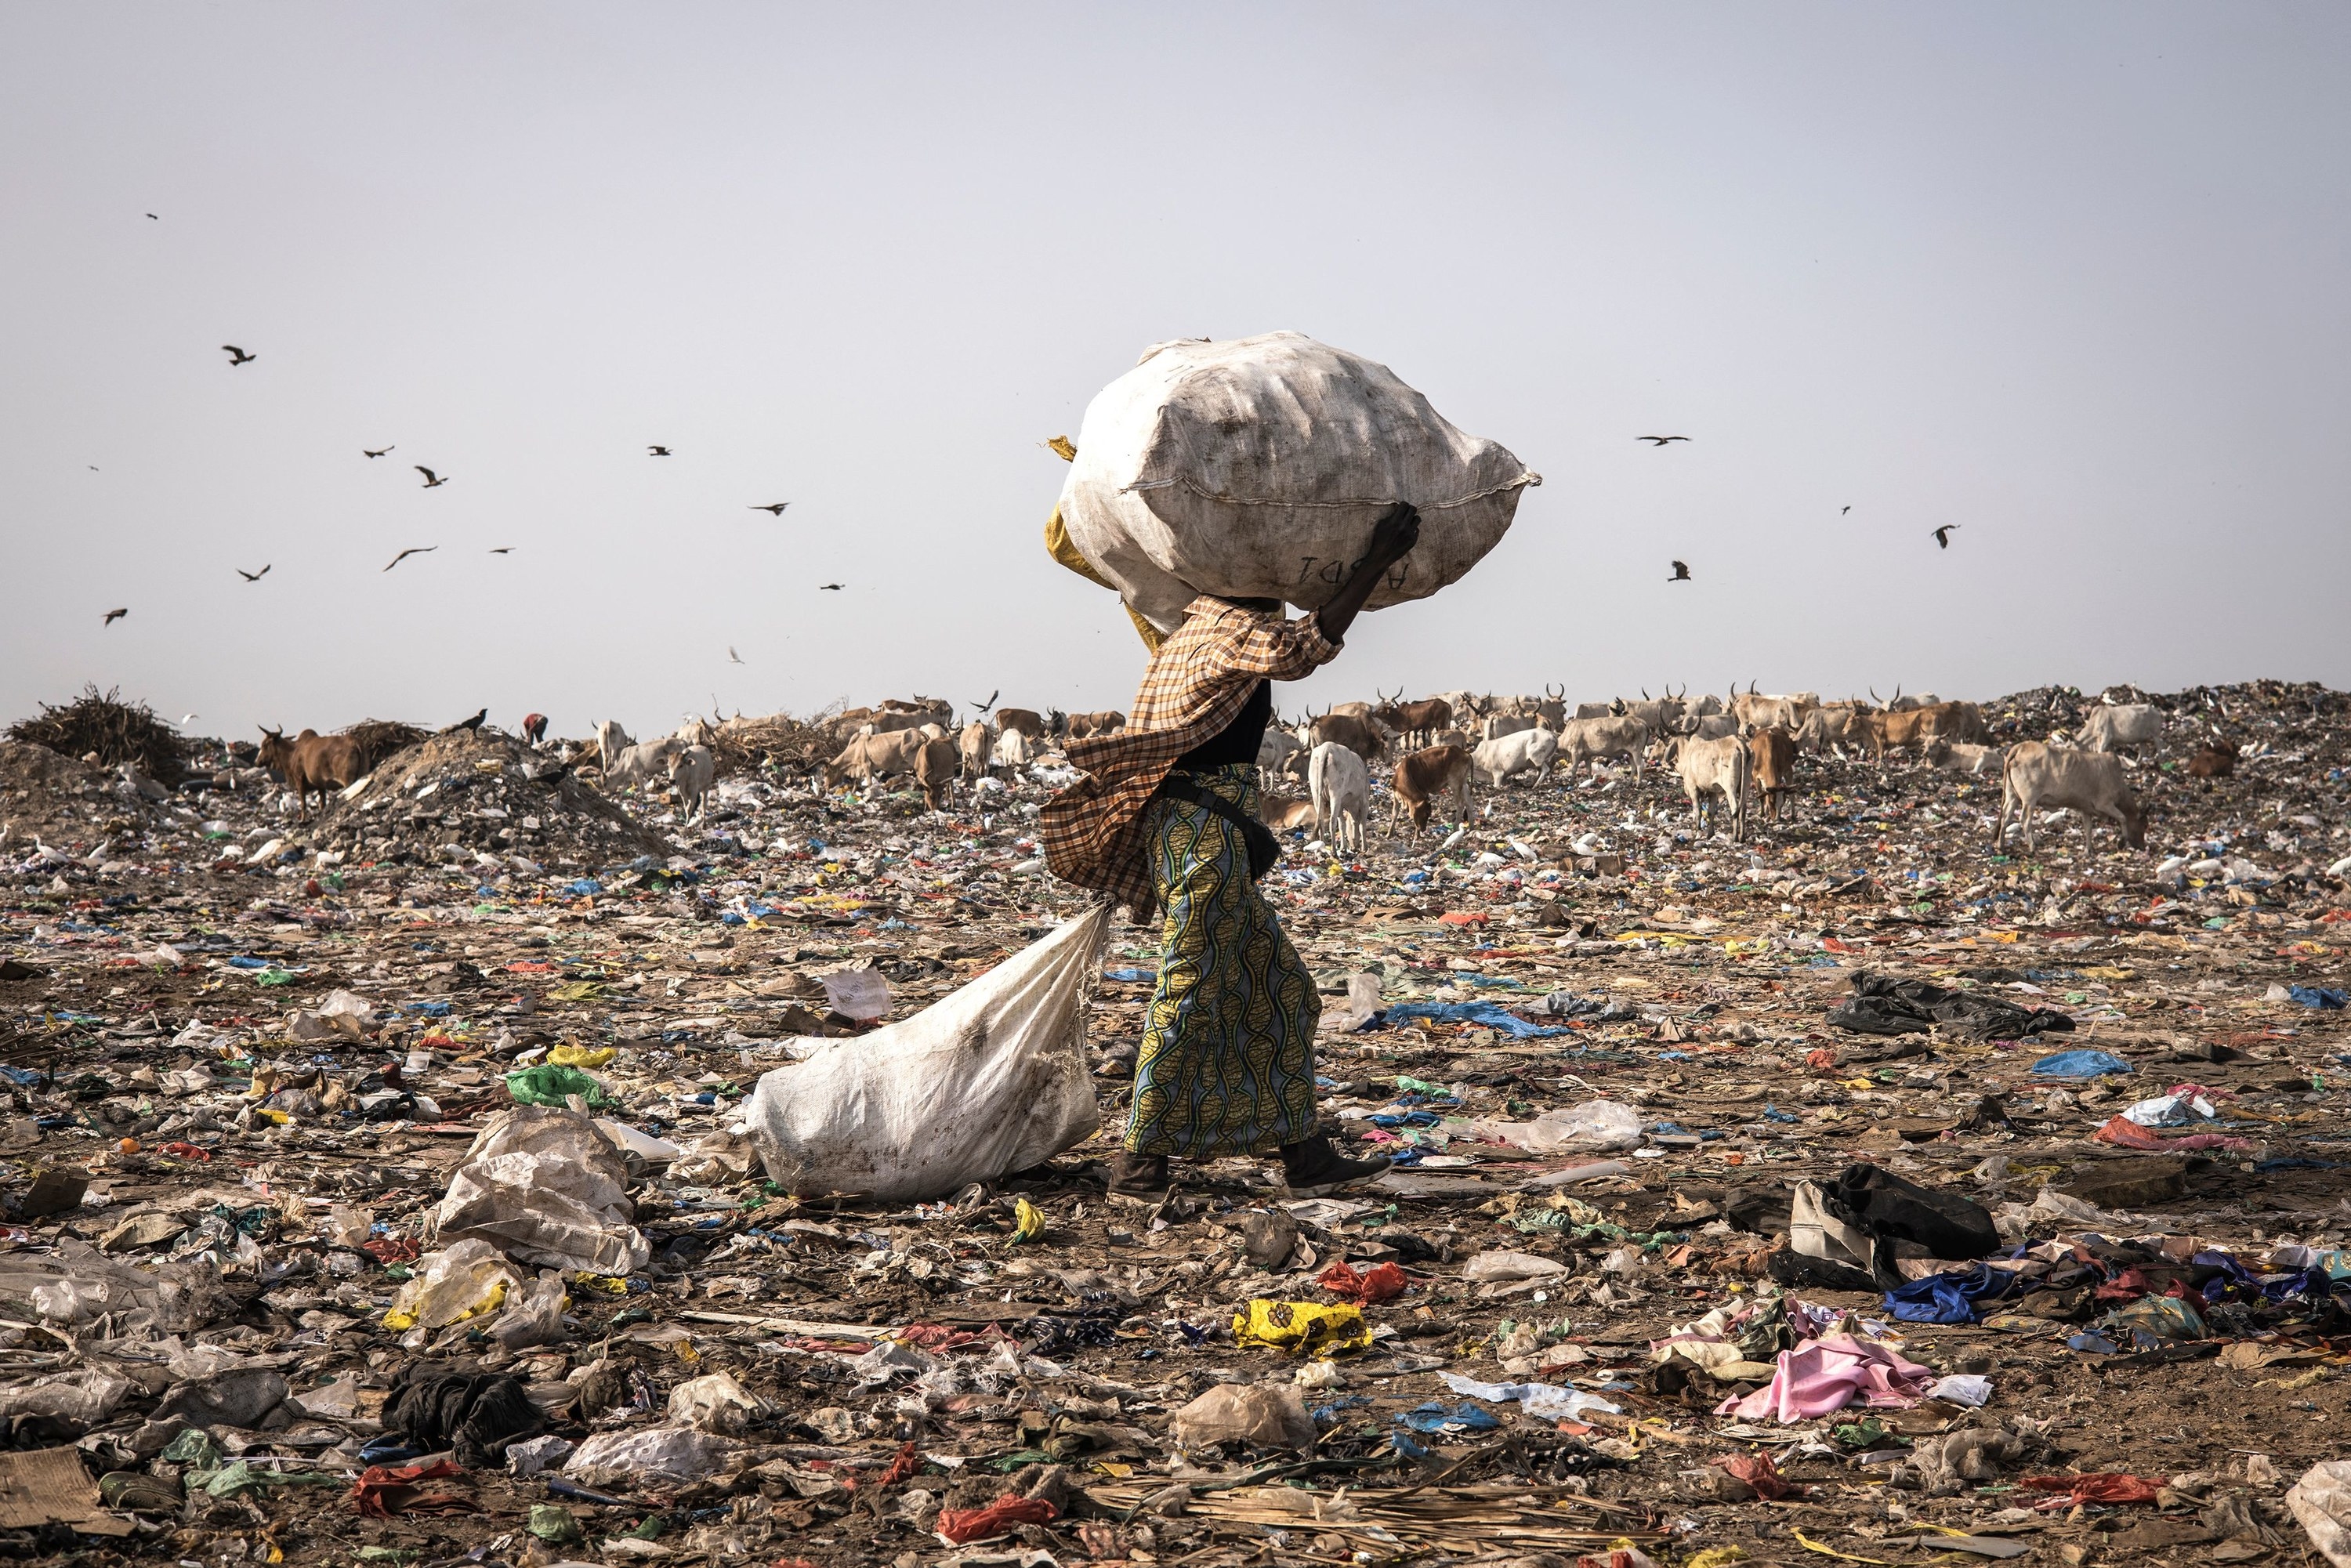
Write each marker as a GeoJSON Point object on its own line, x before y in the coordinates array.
{"type": "Point", "coordinates": [1165, 821]}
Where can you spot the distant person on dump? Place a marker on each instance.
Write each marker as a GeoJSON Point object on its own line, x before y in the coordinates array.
{"type": "Point", "coordinates": [1163, 823]}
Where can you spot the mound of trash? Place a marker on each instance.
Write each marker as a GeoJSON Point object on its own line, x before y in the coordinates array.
{"type": "Point", "coordinates": [380, 737]}
{"type": "Point", "coordinates": [52, 796]}
{"type": "Point", "coordinates": [101, 723]}
{"type": "Point", "coordinates": [466, 793]}
{"type": "Point", "coordinates": [744, 744]}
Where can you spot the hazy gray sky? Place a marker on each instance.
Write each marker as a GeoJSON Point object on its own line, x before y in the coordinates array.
{"type": "Point", "coordinates": [2073, 277]}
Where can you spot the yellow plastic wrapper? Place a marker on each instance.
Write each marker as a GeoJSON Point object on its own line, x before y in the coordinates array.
{"type": "Point", "coordinates": [582, 1056]}
{"type": "Point", "coordinates": [1303, 1328]}
{"type": "Point", "coordinates": [1027, 1221]}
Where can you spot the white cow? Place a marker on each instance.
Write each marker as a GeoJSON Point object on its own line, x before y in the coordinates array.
{"type": "Point", "coordinates": [2120, 725]}
{"type": "Point", "coordinates": [1276, 749]}
{"type": "Point", "coordinates": [1501, 724]}
{"type": "Point", "coordinates": [2035, 775]}
{"type": "Point", "coordinates": [692, 770]}
{"type": "Point", "coordinates": [1711, 767]}
{"type": "Point", "coordinates": [1497, 758]}
{"type": "Point", "coordinates": [1011, 750]}
{"type": "Point", "coordinates": [641, 765]}
{"type": "Point", "coordinates": [1341, 786]}
{"type": "Point", "coordinates": [1598, 738]}
{"type": "Point", "coordinates": [611, 741]}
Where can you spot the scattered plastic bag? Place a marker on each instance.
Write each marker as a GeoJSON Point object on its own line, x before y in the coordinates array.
{"type": "Point", "coordinates": [548, 1187]}
{"type": "Point", "coordinates": [714, 1402]}
{"type": "Point", "coordinates": [467, 1278]}
{"type": "Point", "coordinates": [991, 1080]}
{"type": "Point", "coordinates": [1265, 1415]}
{"type": "Point", "coordinates": [1301, 1328]}
{"type": "Point", "coordinates": [549, 1084]}
{"type": "Point", "coordinates": [2321, 1503]}
{"type": "Point", "coordinates": [657, 1455]}
{"type": "Point", "coordinates": [1597, 1126]}
{"type": "Point", "coordinates": [2080, 1065]}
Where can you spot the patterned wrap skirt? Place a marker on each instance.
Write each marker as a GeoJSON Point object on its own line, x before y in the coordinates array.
{"type": "Point", "coordinates": [1228, 1059]}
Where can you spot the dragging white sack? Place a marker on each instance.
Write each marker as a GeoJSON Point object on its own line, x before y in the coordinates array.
{"type": "Point", "coordinates": [1256, 467]}
{"type": "Point", "coordinates": [986, 1082]}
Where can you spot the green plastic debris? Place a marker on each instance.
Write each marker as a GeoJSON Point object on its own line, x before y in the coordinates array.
{"type": "Point", "coordinates": [553, 1524]}
{"type": "Point", "coordinates": [548, 1084]}
{"type": "Point", "coordinates": [193, 1447]}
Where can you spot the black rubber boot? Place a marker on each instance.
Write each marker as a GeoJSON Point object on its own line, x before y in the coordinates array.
{"type": "Point", "coordinates": [1312, 1167]}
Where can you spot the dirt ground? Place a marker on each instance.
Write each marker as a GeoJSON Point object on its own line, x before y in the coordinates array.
{"type": "Point", "coordinates": [270, 1174]}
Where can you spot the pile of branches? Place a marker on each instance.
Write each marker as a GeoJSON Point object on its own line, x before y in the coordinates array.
{"type": "Point", "coordinates": [116, 731]}
{"type": "Point", "coordinates": [741, 745]}
{"type": "Point", "coordinates": [380, 737]}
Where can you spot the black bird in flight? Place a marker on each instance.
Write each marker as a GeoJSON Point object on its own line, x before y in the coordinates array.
{"type": "Point", "coordinates": [237, 356]}
{"type": "Point", "coordinates": [775, 507]}
{"type": "Point", "coordinates": [365, 453]}
{"type": "Point", "coordinates": [502, 550]}
{"type": "Point", "coordinates": [1943, 535]}
{"type": "Point", "coordinates": [413, 549]}
{"type": "Point", "coordinates": [732, 654]}
{"type": "Point", "coordinates": [1661, 439]}
{"type": "Point", "coordinates": [1681, 572]}
{"type": "Point", "coordinates": [152, 216]}
{"type": "Point", "coordinates": [1847, 509]}
{"type": "Point", "coordinates": [658, 451]}
{"type": "Point", "coordinates": [114, 615]}
{"type": "Point", "coordinates": [252, 576]}
{"type": "Point", "coordinates": [828, 588]}
{"type": "Point", "coordinates": [431, 478]}
{"type": "Point", "coordinates": [990, 703]}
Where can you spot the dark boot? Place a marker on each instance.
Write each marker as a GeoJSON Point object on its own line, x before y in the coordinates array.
{"type": "Point", "coordinates": [1312, 1167]}
{"type": "Point", "coordinates": [1138, 1175]}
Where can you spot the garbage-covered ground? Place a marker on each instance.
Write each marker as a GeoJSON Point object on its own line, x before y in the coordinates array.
{"type": "Point", "coordinates": [292, 1105]}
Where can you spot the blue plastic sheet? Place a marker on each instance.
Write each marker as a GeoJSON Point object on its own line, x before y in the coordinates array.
{"type": "Point", "coordinates": [1439, 1419]}
{"type": "Point", "coordinates": [2319, 996]}
{"type": "Point", "coordinates": [1489, 1015]}
{"type": "Point", "coordinates": [2079, 1064]}
{"type": "Point", "coordinates": [1949, 1298]}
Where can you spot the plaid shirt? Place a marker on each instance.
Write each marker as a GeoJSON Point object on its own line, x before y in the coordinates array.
{"type": "Point", "coordinates": [1198, 682]}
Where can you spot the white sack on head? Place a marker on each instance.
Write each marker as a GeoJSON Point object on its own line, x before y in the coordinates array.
{"type": "Point", "coordinates": [1254, 468]}
{"type": "Point", "coordinates": [989, 1079]}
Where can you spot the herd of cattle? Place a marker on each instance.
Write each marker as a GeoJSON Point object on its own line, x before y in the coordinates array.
{"type": "Point", "coordinates": [1721, 748]}
{"type": "Point", "coordinates": [1727, 748]}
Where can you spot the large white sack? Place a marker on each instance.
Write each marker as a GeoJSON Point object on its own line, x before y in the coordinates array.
{"type": "Point", "coordinates": [1255, 468]}
{"type": "Point", "coordinates": [989, 1079]}
{"type": "Point", "coordinates": [545, 1186]}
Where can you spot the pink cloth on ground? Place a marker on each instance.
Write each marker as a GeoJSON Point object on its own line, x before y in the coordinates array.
{"type": "Point", "coordinates": [1828, 1373]}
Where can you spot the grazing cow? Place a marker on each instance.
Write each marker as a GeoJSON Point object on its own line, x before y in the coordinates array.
{"type": "Point", "coordinates": [926, 710]}
{"type": "Point", "coordinates": [2035, 775]}
{"type": "Point", "coordinates": [1707, 727]}
{"type": "Point", "coordinates": [1923, 725]}
{"type": "Point", "coordinates": [1505, 755]}
{"type": "Point", "coordinates": [1711, 767]}
{"type": "Point", "coordinates": [1754, 712]}
{"type": "Point", "coordinates": [972, 747]}
{"type": "Point", "coordinates": [692, 770]}
{"type": "Point", "coordinates": [2110, 728]}
{"type": "Point", "coordinates": [1013, 748]}
{"type": "Point", "coordinates": [694, 731]}
{"type": "Point", "coordinates": [1284, 815]}
{"type": "Point", "coordinates": [1364, 736]}
{"type": "Point", "coordinates": [312, 761]}
{"type": "Point", "coordinates": [1341, 787]}
{"type": "Point", "coordinates": [1350, 710]}
{"type": "Point", "coordinates": [641, 765]}
{"type": "Point", "coordinates": [1105, 722]}
{"type": "Point", "coordinates": [1466, 706]}
{"type": "Point", "coordinates": [1426, 777]}
{"type": "Point", "coordinates": [1958, 756]}
{"type": "Point", "coordinates": [1662, 715]}
{"type": "Point", "coordinates": [1501, 724]}
{"type": "Point", "coordinates": [1414, 720]}
{"type": "Point", "coordinates": [1599, 710]}
{"type": "Point", "coordinates": [611, 741]}
{"type": "Point", "coordinates": [1772, 763]}
{"type": "Point", "coordinates": [1707, 706]}
{"type": "Point", "coordinates": [1832, 727]}
{"type": "Point", "coordinates": [1022, 721]}
{"type": "Point", "coordinates": [1276, 749]}
{"type": "Point", "coordinates": [936, 766]}
{"type": "Point", "coordinates": [867, 758]}
{"type": "Point", "coordinates": [1450, 737]}
{"type": "Point", "coordinates": [534, 727]}
{"type": "Point", "coordinates": [1592, 738]}
{"type": "Point", "coordinates": [2213, 760]}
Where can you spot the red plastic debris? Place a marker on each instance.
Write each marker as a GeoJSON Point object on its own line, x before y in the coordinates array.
{"type": "Point", "coordinates": [1381, 1282]}
{"type": "Point", "coordinates": [392, 1248]}
{"type": "Point", "coordinates": [904, 1466]}
{"type": "Point", "coordinates": [1758, 1471]}
{"type": "Point", "coordinates": [1819, 1058]}
{"type": "Point", "coordinates": [963, 1525]}
{"type": "Point", "coordinates": [2112, 1487]}
{"type": "Point", "coordinates": [185, 1152]}
{"type": "Point", "coordinates": [384, 1490]}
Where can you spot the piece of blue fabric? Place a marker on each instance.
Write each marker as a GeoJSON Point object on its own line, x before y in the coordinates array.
{"type": "Point", "coordinates": [1489, 1015]}
{"type": "Point", "coordinates": [1436, 1418]}
{"type": "Point", "coordinates": [2319, 996]}
{"type": "Point", "coordinates": [2079, 1064]}
{"type": "Point", "coordinates": [1949, 1298]}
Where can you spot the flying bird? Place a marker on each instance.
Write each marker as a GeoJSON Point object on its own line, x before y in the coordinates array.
{"type": "Point", "coordinates": [152, 216]}
{"type": "Point", "coordinates": [1681, 572]}
{"type": "Point", "coordinates": [732, 654]}
{"type": "Point", "coordinates": [502, 550]}
{"type": "Point", "coordinates": [188, 718]}
{"type": "Point", "coordinates": [775, 507]}
{"type": "Point", "coordinates": [1661, 439]}
{"type": "Point", "coordinates": [990, 703]}
{"type": "Point", "coordinates": [237, 356]}
{"type": "Point", "coordinates": [431, 478]}
{"type": "Point", "coordinates": [114, 615]}
{"type": "Point", "coordinates": [1943, 535]}
{"type": "Point", "coordinates": [828, 588]}
{"type": "Point", "coordinates": [253, 576]}
{"type": "Point", "coordinates": [365, 453]}
{"type": "Point", "coordinates": [1847, 509]}
{"type": "Point", "coordinates": [658, 451]}
{"type": "Point", "coordinates": [413, 549]}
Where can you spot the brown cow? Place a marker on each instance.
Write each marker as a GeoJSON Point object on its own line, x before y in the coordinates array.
{"type": "Point", "coordinates": [1426, 777]}
{"type": "Point", "coordinates": [1771, 764]}
{"type": "Point", "coordinates": [1921, 726]}
{"type": "Point", "coordinates": [2213, 760]}
{"type": "Point", "coordinates": [1282, 815]}
{"type": "Point", "coordinates": [1364, 736]}
{"type": "Point", "coordinates": [936, 767]}
{"type": "Point", "coordinates": [312, 761]}
{"type": "Point", "coordinates": [1420, 718]}
{"type": "Point", "coordinates": [1108, 721]}
{"type": "Point", "coordinates": [1027, 720]}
